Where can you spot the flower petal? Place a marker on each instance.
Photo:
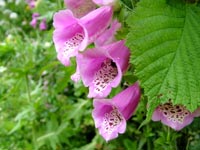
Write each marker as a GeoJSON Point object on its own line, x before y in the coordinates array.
{"type": "Point", "coordinates": [127, 100]}
{"type": "Point", "coordinates": [97, 21]}
{"type": "Point", "coordinates": [43, 24]}
{"type": "Point", "coordinates": [63, 19]}
{"type": "Point", "coordinates": [76, 76]}
{"type": "Point", "coordinates": [109, 35]}
{"type": "Point", "coordinates": [104, 2]}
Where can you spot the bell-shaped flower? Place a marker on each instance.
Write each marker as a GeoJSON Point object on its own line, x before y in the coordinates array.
{"type": "Point", "coordinates": [101, 68]}
{"type": "Point", "coordinates": [110, 115]}
{"type": "Point", "coordinates": [31, 3]}
{"type": "Point", "coordinates": [174, 116]}
{"type": "Point", "coordinates": [72, 34]}
{"type": "Point", "coordinates": [43, 24]}
{"type": "Point", "coordinates": [80, 7]}
{"type": "Point", "coordinates": [109, 35]}
{"type": "Point", "coordinates": [34, 20]}
{"type": "Point", "coordinates": [104, 2]}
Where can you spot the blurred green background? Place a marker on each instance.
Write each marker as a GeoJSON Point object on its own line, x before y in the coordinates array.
{"type": "Point", "coordinates": [42, 109]}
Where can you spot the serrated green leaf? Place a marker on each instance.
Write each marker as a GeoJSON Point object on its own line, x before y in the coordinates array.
{"type": "Point", "coordinates": [165, 43]}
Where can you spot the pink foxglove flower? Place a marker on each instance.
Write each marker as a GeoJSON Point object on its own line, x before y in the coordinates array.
{"type": "Point", "coordinates": [72, 34]}
{"type": "Point", "coordinates": [104, 2]}
{"type": "Point", "coordinates": [101, 68]}
{"type": "Point", "coordinates": [35, 15]}
{"type": "Point", "coordinates": [174, 116]}
{"type": "Point", "coordinates": [109, 35]}
{"type": "Point", "coordinates": [34, 20]}
{"type": "Point", "coordinates": [43, 24]}
{"type": "Point", "coordinates": [80, 7]}
{"type": "Point", "coordinates": [31, 3]}
{"type": "Point", "coordinates": [110, 115]}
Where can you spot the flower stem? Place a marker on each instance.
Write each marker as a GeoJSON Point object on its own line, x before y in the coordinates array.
{"type": "Point", "coordinates": [168, 134]}
{"type": "Point", "coordinates": [28, 89]}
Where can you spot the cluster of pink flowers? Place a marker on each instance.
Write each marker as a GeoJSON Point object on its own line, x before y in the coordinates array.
{"type": "Point", "coordinates": [34, 22]}
{"type": "Point", "coordinates": [101, 68]}
{"type": "Point", "coordinates": [36, 16]}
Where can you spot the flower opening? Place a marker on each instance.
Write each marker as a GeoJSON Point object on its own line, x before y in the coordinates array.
{"type": "Point", "coordinates": [112, 121]}
{"type": "Point", "coordinates": [174, 116]}
{"type": "Point", "coordinates": [72, 44]}
{"type": "Point", "coordinates": [105, 75]}
{"type": "Point", "coordinates": [175, 113]}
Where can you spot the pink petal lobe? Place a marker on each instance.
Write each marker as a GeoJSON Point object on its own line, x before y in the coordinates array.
{"type": "Point", "coordinates": [127, 100]}
{"type": "Point", "coordinates": [109, 35]}
{"type": "Point", "coordinates": [97, 21]}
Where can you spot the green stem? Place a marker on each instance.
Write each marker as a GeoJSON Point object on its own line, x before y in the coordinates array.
{"type": "Point", "coordinates": [29, 101]}
{"type": "Point", "coordinates": [28, 89]}
{"type": "Point", "coordinates": [168, 134]}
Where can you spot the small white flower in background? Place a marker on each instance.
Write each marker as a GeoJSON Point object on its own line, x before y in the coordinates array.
{"type": "Point", "coordinates": [7, 12]}
{"type": "Point", "coordinates": [2, 69]}
{"type": "Point", "coordinates": [17, 2]}
{"type": "Point", "coordinates": [2, 3]}
{"type": "Point", "coordinates": [47, 44]}
{"type": "Point", "coordinates": [10, 1]}
{"type": "Point", "coordinates": [2, 22]}
{"type": "Point", "coordinates": [24, 23]}
{"type": "Point", "coordinates": [13, 15]}
{"type": "Point", "coordinates": [9, 38]}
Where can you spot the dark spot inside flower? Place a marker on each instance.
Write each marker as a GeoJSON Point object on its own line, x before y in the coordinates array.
{"type": "Point", "coordinates": [166, 108]}
{"type": "Point", "coordinates": [113, 64]}
{"type": "Point", "coordinates": [186, 113]}
{"type": "Point", "coordinates": [179, 110]}
{"type": "Point", "coordinates": [172, 111]}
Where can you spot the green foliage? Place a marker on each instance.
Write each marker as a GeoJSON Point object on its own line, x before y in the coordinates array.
{"type": "Point", "coordinates": [164, 40]}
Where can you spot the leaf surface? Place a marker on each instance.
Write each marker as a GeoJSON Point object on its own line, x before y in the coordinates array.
{"type": "Point", "coordinates": [165, 49]}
